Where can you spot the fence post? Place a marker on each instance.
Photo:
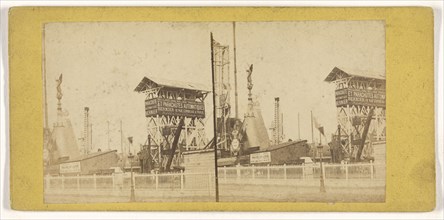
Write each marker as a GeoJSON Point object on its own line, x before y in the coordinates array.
{"type": "Point", "coordinates": [95, 181]}
{"type": "Point", "coordinates": [285, 171]}
{"type": "Point", "coordinates": [238, 171]}
{"type": "Point", "coordinates": [113, 181]}
{"type": "Point", "coordinates": [371, 169]}
{"type": "Point", "coordinates": [48, 181]}
{"type": "Point", "coordinates": [268, 171]}
{"type": "Point", "coordinates": [157, 180]}
{"type": "Point", "coordinates": [78, 181]}
{"type": "Point", "coordinates": [134, 180]}
{"type": "Point", "coordinates": [63, 182]}
{"type": "Point", "coordinates": [209, 182]}
{"type": "Point", "coordinates": [303, 171]}
{"type": "Point", "coordinates": [253, 171]}
{"type": "Point", "coordinates": [346, 171]}
{"type": "Point", "coordinates": [225, 173]}
{"type": "Point", "coordinates": [181, 180]}
{"type": "Point", "coordinates": [323, 172]}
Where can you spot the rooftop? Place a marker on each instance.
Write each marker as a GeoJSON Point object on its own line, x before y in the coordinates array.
{"type": "Point", "coordinates": [198, 151]}
{"type": "Point", "coordinates": [88, 156]}
{"type": "Point", "coordinates": [338, 73]}
{"type": "Point", "coordinates": [148, 83]}
{"type": "Point", "coordinates": [282, 145]}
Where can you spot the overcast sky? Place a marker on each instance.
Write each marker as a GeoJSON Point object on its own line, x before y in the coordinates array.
{"type": "Point", "coordinates": [102, 63]}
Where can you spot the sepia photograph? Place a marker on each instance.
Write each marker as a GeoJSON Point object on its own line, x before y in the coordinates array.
{"type": "Point", "coordinates": [129, 112]}
{"type": "Point", "coordinates": [214, 111]}
{"type": "Point", "coordinates": [300, 111]}
{"type": "Point", "coordinates": [228, 110]}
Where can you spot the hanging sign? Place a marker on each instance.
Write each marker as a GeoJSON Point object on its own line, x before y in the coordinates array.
{"type": "Point", "coordinates": [73, 167]}
{"type": "Point", "coordinates": [364, 97]}
{"type": "Point", "coordinates": [172, 107]}
{"type": "Point", "coordinates": [264, 157]}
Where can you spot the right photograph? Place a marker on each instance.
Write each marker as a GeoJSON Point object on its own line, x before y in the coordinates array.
{"type": "Point", "coordinates": [300, 111]}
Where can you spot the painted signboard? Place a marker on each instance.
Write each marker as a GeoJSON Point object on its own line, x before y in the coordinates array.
{"type": "Point", "coordinates": [171, 107]}
{"type": "Point", "coordinates": [350, 96]}
{"type": "Point", "coordinates": [264, 157]}
{"type": "Point", "coordinates": [73, 167]}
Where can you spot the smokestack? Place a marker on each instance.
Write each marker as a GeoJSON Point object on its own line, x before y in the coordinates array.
{"type": "Point", "coordinates": [281, 127]}
{"type": "Point", "coordinates": [277, 120]}
{"type": "Point", "coordinates": [235, 72]}
{"type": "Point", "coordinates": [86, 131]}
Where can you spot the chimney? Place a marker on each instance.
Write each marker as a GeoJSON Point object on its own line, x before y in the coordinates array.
{"type": "Point", "coordinates": [86, 131]}
{"type": "Point", "coordinates": [277, 120]}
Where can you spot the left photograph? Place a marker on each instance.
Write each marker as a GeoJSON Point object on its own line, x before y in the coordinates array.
{"type": "Point", "coordinates": [128, 112]}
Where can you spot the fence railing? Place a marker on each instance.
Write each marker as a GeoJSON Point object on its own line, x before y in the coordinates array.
{"type": "Point", "coordinates": [206, 181]}
{"type": "Point", "coordinates": [169, 181]}
{"type": "Point", "coordinates": [303, 172]}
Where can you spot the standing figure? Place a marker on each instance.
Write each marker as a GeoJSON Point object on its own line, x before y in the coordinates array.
{"type": "Point", "coordinates": [250, 81]}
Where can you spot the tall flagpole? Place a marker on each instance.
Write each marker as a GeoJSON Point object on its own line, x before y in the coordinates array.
{"type": "Point", "coordinates": [216, 181]}
{"type": "Point", "coordinates": [46, 130]}
{"type": "Point", "coordinates": [91, 137]}
{"type": "Point", "coordinates": [44, 79]}
{"type": "Point", "coordinates": [121, 146]}
{"type": "Point", "coordinates": [121, 138]}
{"type": "Point", "coordinates": [299, 128]}
{"type": "Point", "coordinates": [108, 136]}
{"type": "Point", "coordinates": [312, 135]}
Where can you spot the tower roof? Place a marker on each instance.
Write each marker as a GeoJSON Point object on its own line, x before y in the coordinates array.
{"type": "Point", "coordinates": [339, 73]}
{"type": "Point", "coordinates": [152, 82]}
{"type": "Point", "coordinates": [89, 156]}
{"type": "Point", "coordinates": [63, 140]}
{"type": "Point", "coordinates": [256, 133]}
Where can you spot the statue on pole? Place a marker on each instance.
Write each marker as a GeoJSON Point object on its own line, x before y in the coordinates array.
{"type": "Point", "coordinates": [59, 92]}
{"type": "Point", "coordinates": [250, 81]}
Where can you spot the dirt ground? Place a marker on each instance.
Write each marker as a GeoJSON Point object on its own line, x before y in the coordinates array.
{"type": "Point", "coordinates": [72, 197]}
{"type": "Point", "coordinates": [277, 193]}
{"type": "Point", "coordinates": [229, 193]}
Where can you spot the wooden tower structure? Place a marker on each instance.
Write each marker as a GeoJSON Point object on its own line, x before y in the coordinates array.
{"type": "Point", "coordinates": [360, 109]}
{"type": "Point", "coordinates": [169, 106]}
{"type": "Point", "coordinates": [222, 89]}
